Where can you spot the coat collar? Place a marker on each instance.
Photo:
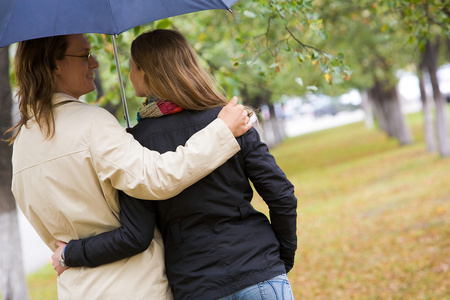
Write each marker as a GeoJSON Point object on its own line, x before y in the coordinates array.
{"type": "Point", "coordinates": [60, 97]}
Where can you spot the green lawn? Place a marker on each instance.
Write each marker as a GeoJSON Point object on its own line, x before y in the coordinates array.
{"type": "Point", "coordinates": [373, 217]}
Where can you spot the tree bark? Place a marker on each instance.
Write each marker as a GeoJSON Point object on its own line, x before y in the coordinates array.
{"type": "Point", "coordinates": [389, 113]}
{"type": "Point", "coordinates": [430, 137]}
{"type": "Point", "coordinates": [12, 278]}
{"type": "Point", "coordinates": [112, 108]}
{"type": "Point", "coordinates": [430, 61]}
{"type": "Point", "coordinates": [272, 130]}
{"type": "Point", "coordinates": [368, 112]}
{"type": "Point", "coordinates": [447, 41]}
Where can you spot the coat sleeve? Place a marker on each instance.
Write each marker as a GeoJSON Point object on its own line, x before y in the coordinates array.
{"type": "Point", "coordinates": [119, 160]}
{"type": "Point", "coordinates": [276, 190]}
{"type": "Point", "coordinates": [132, 237]}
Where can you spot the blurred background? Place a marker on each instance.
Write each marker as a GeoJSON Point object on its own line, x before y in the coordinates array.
{"type": "Point", "coordinates": [352, 98]}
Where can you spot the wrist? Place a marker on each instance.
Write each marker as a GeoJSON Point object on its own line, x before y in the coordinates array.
{"type": "Point", "coordinates": [62, 256]}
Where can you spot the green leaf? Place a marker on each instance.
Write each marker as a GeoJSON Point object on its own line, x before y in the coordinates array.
{"type": "Point", "coordinates": [249, 14]}
{"type": "Point", "coordinates": [301, 57]}
{"type": "Point", "coordinates": [299, 81]}
{"type": "Point", "coordinates": [324, 68]}
{"type": "Point", "coordinates": [274, 65]}
{"type": "Point", "coordinates": [329, 56]}
{"type": "Point", "coordinates": [164, 24]}
{"type": "Point", "coordinates": [137, 30]}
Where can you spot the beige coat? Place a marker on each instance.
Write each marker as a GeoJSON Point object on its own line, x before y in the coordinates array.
{"type": "Point", "coordinates": [66, 187]}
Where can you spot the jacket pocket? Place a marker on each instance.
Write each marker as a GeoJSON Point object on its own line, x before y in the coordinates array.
{"type": "Point", "coordinates": [68, 283]}
{"type": "Point", "coordinates": [245, 209]}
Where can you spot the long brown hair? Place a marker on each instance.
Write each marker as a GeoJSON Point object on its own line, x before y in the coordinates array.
{"type": "Point", "coordinates": [173, 72]}
{"type": "Point", "coordinates": [34, 64]}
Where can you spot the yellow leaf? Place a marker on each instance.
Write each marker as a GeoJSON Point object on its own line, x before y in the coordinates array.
{"type": "Point", "coordinates": [440, 210]}
{"type": "Point", "coordinates": [383, 29]}
{"type": "Point", "coordinates": [328, 77]}
{"type": "Point", "coordinates": [201, 36]}
{"type": "Point", "coordinates": [109, 48]}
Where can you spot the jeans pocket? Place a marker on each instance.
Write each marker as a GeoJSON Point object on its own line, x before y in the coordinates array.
{"type": "Point", "coordinates": [277, 288]}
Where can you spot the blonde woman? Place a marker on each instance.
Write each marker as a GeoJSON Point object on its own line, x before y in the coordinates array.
{"type": "Point", "coordinates": [216, 244]}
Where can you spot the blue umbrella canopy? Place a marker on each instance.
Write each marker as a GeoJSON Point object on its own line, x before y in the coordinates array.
{"type": "Point", "coordinates": [30, 19]}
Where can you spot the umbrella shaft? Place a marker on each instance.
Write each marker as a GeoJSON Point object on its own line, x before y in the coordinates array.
{"type": "Point", "coordinates": [122, 91]}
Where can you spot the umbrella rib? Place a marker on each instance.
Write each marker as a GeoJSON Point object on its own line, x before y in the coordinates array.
{"type": "Point", "coordinates": [226, 6]}
{"type": "Point", "coordinates": [112, 17]}
{"type": "Point", "coordinates": [7, 22]}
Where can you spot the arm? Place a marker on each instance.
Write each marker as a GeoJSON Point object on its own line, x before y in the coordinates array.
{"type": "Point", "coordinates": [272, 185]}
{"type": "Point", "coordinates": [121, 161]}
{"type": "Point", "coordinates": [132, 237]}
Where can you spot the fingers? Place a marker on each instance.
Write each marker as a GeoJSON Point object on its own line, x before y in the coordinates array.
{"type": "Point", "coordinates": [60, 244]}
{"type": "Point", "coordinates": [234, 100]}
{"type": "Point", "coordinates": [233, 106]}
{"type": "Point", "coordinates": [57, 267]}
{"type": "Point", "coordinates": [235, 117]}
{"type": "Point", "coordinates": [55, 258]}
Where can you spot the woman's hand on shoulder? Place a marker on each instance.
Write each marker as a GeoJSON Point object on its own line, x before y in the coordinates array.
{"type": "Point", "coordinates": [235, 117]}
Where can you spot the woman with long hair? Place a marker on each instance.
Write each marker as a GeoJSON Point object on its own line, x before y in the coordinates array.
{"type": "Point", "coordinates": [216, 244]}
{"type": "Point", "coordinates": [69, 159]}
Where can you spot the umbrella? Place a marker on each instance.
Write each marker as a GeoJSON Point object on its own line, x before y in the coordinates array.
{"type": "Point", "coordinates": [29, 19]}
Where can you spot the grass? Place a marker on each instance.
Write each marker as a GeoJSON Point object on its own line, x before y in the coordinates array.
{"type": "Point", "coordinates": [373, 217]}
{"type": "Point", "coordinates": [42, 284]}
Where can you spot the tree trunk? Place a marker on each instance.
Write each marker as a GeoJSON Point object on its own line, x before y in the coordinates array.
{"type": "Point", "coordinates": [389, 113]}
{"type": "Point", "coordinates": [427, 115]}
{"type": "Point", "coordinates": [98, 84]}
{"type": "Point", "coordinates": [447, 41]}
{"type": "Point", "coordinates": [378, 111]}
{"type": "Point", "coordinates": [112, 108]}
{"type": "Point", "coordinates": [430, 61]}
{"type": "Point", "coordinates": [271, 130]}
{"type": "Point", "coordinates": [12, 278]}
{"type": "Point", "coordinates": [368, 112]}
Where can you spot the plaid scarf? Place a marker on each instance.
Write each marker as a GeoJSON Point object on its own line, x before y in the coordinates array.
{"type": "Point", "coordinates": [154, 108]}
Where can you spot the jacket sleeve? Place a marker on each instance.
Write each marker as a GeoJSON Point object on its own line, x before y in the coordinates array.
{"type": "Point", "coordinates": [276, 190]}
{"type": "Point", "coordinates": [121, 161]}
{"type": "Point", "coordinates": [132, 237]}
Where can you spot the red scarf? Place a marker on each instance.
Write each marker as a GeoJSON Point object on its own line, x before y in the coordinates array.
{"type": "Point", "coordinates": [154, 108]}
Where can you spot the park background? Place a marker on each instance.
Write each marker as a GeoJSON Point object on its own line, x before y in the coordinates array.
{"type": "Point", "coordinates": [374, 199]}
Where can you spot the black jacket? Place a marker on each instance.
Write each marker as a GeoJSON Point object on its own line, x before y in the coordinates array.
{"type": "Point", "coordinates": [216, 243]}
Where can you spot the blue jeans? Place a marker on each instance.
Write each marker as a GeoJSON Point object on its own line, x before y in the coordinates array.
{"type": "Point", "coordinates": [277, 288]}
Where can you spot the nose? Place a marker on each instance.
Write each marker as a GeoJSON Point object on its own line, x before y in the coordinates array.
{"type": "Point", "coordinates": [93, 63]}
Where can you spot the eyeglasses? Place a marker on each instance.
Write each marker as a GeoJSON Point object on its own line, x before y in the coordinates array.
{"type": "Point", "coordinates": [85, 57]}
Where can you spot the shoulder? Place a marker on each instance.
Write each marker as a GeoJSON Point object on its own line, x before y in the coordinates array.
{"type": "Point", "coordinates": [180, 121]}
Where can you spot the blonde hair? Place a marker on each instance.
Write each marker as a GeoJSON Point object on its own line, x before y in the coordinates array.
{"type": "Point", "coordinates": [34, 64]}
{"type": "Point", "coordinates": [173, 72]}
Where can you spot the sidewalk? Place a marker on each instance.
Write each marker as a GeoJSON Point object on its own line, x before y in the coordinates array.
{"type": "Point", "coordinates": [306, 124]}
